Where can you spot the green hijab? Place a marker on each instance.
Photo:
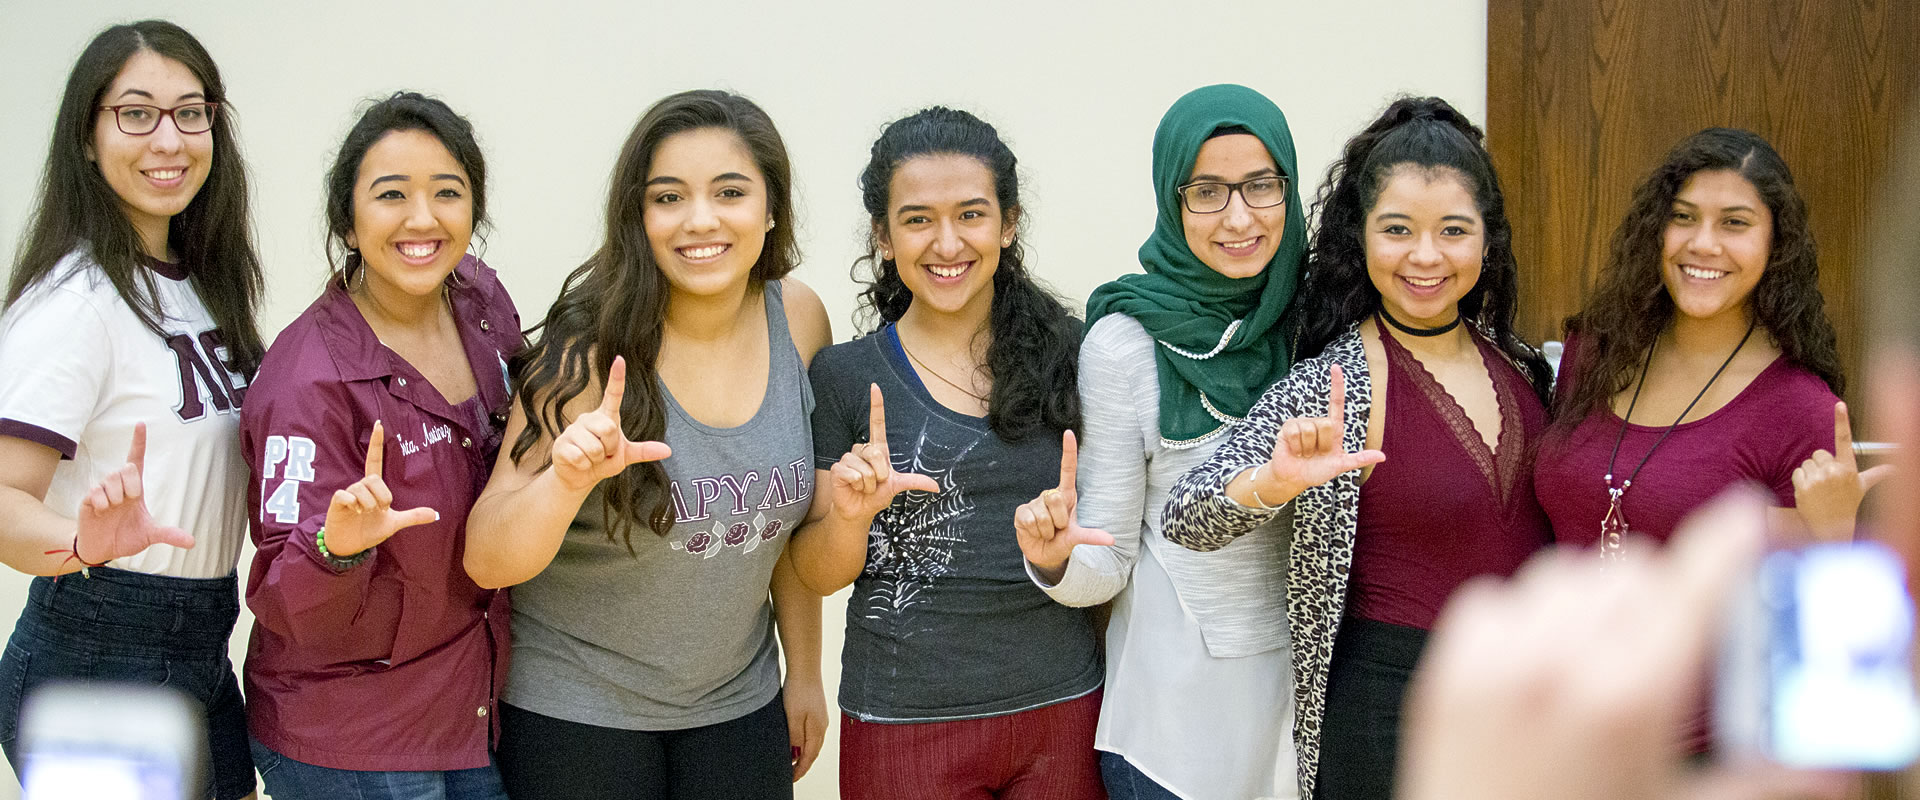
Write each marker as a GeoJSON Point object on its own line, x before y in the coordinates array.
{"type": "Point", "coordinates": [1210, 367]}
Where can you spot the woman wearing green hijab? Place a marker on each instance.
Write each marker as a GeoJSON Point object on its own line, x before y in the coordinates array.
{"type": "Point", "coordinates": [1412, 241]}
{"type": "Point", "coordinates": [1199, 701]}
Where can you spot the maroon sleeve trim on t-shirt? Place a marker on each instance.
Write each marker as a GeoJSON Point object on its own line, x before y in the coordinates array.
{"type": "Point", "coordinates": [40, 436]}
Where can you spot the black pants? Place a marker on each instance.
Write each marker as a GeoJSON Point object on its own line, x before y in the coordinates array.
{"type": "Point", "coordinates": [1360, 737]}
{"type": "Point", "coordinates": [741, 759]}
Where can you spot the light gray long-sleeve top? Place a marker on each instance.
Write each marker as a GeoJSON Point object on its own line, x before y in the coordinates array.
{"type": "Point", "coordinates": [1199, 691]}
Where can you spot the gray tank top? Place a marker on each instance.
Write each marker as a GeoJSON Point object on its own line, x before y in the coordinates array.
{"type": "Point", "coordinates": [681, 634]}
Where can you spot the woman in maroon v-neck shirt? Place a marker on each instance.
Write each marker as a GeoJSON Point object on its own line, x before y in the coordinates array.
{"type": "Point", "coordinates": [1704, 359]}
{"type": "Point", "coordinates": [1402, 441]}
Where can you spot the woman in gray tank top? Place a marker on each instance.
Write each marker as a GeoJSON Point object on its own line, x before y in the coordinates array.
{"type": "Point", "coordinates": [959, 678]}
{"type": "Point", "coordinates": [643, 520]}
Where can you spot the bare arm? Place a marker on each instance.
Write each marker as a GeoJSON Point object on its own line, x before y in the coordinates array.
{"type": "Point", "coordinates": [828, 551]}
{"type": "Point", "coordinates": [113, 520]}
{"type": "Point", "coordinates": [517, 525]}
{"type": "Point", "coordinates": [830, 548]}
{"type": "Point", "coordinates": [796, 613]}
{"type": "Point", "coordinates": [807, 320]}
{"type": "Point", "coordinates": [27, 527]}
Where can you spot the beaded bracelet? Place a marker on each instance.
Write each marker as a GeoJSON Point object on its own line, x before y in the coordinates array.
{"type": "Point", "coordinates": [337, 563]}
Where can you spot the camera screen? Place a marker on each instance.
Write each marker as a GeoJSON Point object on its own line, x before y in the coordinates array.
{"type": "Point", "coordinates": [65, 774]}
{"type": "Point", "coordinates": [1838, 637]}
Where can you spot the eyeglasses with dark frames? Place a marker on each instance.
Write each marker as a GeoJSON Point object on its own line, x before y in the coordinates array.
{"type": "Point", "coordinates": [140, 119]}
{"type": "Point", "coordinates": [1208, 197]}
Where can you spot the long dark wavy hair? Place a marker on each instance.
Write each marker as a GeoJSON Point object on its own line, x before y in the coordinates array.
{"type": "Point", "coordinates": [213, 235]}
{"type": "Point", "coordinates": [403, 111]}
{"type": "Point", "coordinates": [1033, 353]}
{"type": "Point", "coordinates": [615, 304]}
{"type": "Point", "coordinates": [1428, 134]}
{"type": "Point", "coordinates": [1631, 306]}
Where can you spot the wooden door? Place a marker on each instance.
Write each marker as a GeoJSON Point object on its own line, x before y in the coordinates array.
{"type": "Point", "coordinates": [1585, 97]}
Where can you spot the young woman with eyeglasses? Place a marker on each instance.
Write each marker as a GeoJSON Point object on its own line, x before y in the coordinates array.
{"type": "Point", "coordinates": [127, 346]}
{"type": "Point", "coordinates": [959, 677]}
{"type": "Point", "coordinates": [375, 664]}
{"type": "Point", "coordinates": [655, 470]}
{"type": "Point", "coordinates": [1402, 445]}
{"type": "Point", "coordinates": [1198, 702]}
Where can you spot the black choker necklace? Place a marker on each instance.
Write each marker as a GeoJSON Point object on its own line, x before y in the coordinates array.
{"type": "Point", "coordinates": [1412, 331]}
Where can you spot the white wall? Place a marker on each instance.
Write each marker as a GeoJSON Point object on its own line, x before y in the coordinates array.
{"type": "Point", "coordinates": [1076, 88]}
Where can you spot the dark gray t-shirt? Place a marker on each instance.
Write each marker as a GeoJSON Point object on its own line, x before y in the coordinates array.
{"type": "Point", "coordinates": [943, 623]}
{"type": "Point", "coordinates": [679, 634]}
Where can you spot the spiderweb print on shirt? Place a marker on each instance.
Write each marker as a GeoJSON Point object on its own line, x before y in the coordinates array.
{"type": "Point", "coordinates": [912, 543]}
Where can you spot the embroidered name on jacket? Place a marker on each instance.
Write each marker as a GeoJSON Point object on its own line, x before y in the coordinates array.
{"type": "Point", "coordinates": [428, 435]}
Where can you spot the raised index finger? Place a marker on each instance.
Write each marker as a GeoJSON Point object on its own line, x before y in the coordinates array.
{"type": "Point", "coordinates": [1069, 460]}
{"type": "Point", "coordinates": [376, 450]}
{"type": "Point", "coordinates": [876, 415]}
{"type": "Point", "coordinates": [137, 453]}
{"type": "Point", "coordinates": [1842, 434]}
{"type": "Point", "coordinates": [616, 388]}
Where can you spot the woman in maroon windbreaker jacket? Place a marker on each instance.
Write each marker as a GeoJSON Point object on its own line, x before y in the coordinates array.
{"type": "Point", "coordinates": [376, 663]}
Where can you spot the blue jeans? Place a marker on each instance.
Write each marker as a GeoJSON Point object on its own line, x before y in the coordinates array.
{"type": "Point", "coordinates": [1126, 782]}
{"type": "Point", "coordinates": [139, 628]}
{"type": "Point", "coordinates": [288, 779]}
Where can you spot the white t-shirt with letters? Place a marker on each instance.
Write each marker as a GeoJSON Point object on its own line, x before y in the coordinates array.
{"type": "Point", "coordinates": [78, 369]}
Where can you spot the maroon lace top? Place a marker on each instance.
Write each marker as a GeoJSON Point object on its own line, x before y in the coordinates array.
{"type": "Point", "coordinates": [1443, 507]}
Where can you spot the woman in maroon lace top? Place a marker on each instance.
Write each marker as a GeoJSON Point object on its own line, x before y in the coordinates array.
{"type": "Point", "coordinates": [1402, 442]}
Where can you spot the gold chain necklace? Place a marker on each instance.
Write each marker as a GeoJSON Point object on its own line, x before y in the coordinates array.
{"type": "Point", "coordinates": [934, 372]}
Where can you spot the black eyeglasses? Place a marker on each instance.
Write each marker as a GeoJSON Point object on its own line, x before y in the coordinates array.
{"type": "Point", "coordinates": [140, 119]}
{"type": "Point", "coordinates": [1209, 197]}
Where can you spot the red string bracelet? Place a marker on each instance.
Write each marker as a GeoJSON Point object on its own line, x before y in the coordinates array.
{"type": "Point", "coordinates": [73, 554]}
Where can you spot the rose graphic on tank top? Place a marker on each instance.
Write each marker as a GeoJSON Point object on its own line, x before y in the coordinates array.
{"type": "Point", "coordinates": [912, 543]}
{"type": "Point", "coordinates": [728, 499]}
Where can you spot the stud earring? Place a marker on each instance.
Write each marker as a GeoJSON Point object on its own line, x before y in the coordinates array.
{"type": "Point", "coordinates": [770, 223]}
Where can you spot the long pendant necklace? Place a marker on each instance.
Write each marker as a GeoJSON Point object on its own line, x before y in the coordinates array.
{"type": "Point", "coordinates": [1613, 526]}
{"type": "Point", "coordinates": [935, 373]}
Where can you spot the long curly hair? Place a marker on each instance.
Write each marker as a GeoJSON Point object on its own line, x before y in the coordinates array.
{"type": "Point", "coordinates": [213, 235]}
{"type": "Point", "coordinates": [1033, 357]}
{"type": "Point", "coordinates": [1631, 307]}
{"type": "Point", "coordinates": [615, 304]}
{"type": "Point", "coordinates": [1336, 292]}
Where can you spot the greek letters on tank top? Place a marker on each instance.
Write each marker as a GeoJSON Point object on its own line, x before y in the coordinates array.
{"type": "Point", "coordinates": [678, 633]}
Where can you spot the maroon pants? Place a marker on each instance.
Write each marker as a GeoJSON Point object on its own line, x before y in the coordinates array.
{"type": "Point", "coordinates": [1041, 754]}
